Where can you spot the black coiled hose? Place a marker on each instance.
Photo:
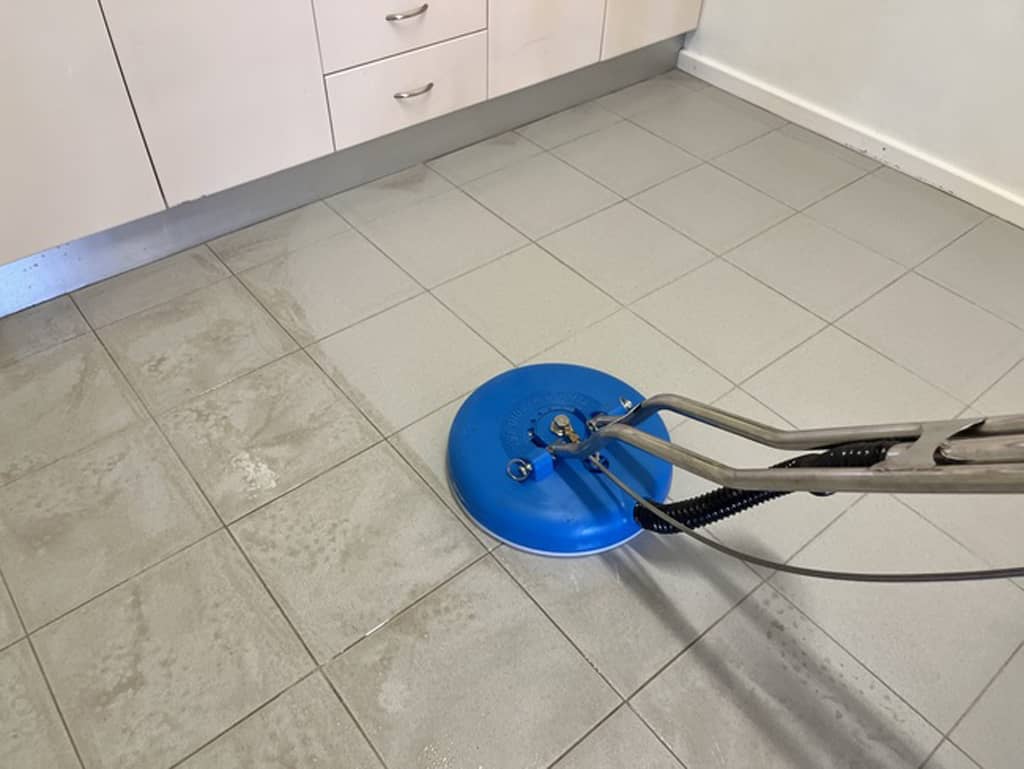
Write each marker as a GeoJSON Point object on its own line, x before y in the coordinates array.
{"type": "Point", "coordinates": [724, 502]}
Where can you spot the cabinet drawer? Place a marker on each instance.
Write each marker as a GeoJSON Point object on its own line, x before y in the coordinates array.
{"type": "Point", "coordinates": [366, 102]}
{"type": "Point", "coordinates": [354, 33]}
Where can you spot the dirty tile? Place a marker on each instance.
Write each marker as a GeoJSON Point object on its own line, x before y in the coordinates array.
{"type": "Point", "coordinates": [39, 328]}
{"type": "Point", "coordinates": [304, 727]}
{"type": "Point", "coordinates": [621, 741]}
{"type": "Point", "coordinates": [922, 640]}
{"type": "Point", "coordinates": [474, 658]}
{"type": "Point", "coordinates": [404, 363]}
{"type": "Point", "coordinates": [783, 695]}
{"type": "Point", "coordinates": [278, 236]}
{"type": "Point", "coordinates": [152, 670]}
{"type": "Point", "coordinates": [88, 521]}
{"type": "Point", "coordinates": [713, 208]}
{"type": "Point", "coordinates": [482, 158]}
{"type": "Point", "coordinates": [525, 302]}
{"type": "Point", "coordinates": [317, 290]}
{"type": "Point", "coordinates": [540, 194]}
{"type": "Point", "coordinates": [819, 142]}
{"type": "Point", "coordinates": [59, 401]}
{"type": "Point", "coordinates": [10, 627]}
{"type": "Point", "coordinates": [184, 347]}
{"type": "Point", "coordinates": [388, 195]}
{"type": "Point", "coordinates": [949, 756]}
{"type": "Point", "coordinates": [145, 287]}
{"type": "Point", "coordinates": [569, 124]}
{"type": "Point", "coordinates": [990, 732]}
{"type": "Point", "coordinates": [266, 433]}
{"type": "Point", "coordinates": [645, 95]}
{"type": "Point", "coordinates": [31, 734]}
{"type": "Point", "coordinates": [443, 236]}
{"type": "Point", "coordinates": [340, 570]}
{"type": "Point", "coordinates": [1006, 396]}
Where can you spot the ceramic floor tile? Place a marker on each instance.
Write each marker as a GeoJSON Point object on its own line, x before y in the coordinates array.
{"type": "Point", "coordinates": [482, 158]}
{"type": "Point", "coordinates": [276, 237]}
{"type": "Point", "coordinates": [783, 696]}
{"type": "Point", "coordinates": [405, 363]}
{"type": "Point", "coordinates": [540, 195]}
{"type": "Point", "coordinates": [949, 756]}
{"type": "Point", "coordinates": [991, 731]}
{"type": "Point", "coordinates": [148, 286]}
{"type": "Point", "coordinates": [304, 727]}
{"type": "Point", "coordinates": [39, 328]}
{"type": "Point", "coordinates": [685, 78]}
{"type": "Point", "coordinates": [621, 741]}
{"type": "Point", "coordinates": [152, 670]}
{"type": "Point", "coordinates": [985, 265]}
{"type": "Point", "coordinates": [525, 302]}
{"type": "Point", "coordinates": [266, 433]}
{"type": "Point", "coordinates": [936, 334]}
{"type": "Point", "coordinates": [339, 571]}
{"type": "Point", "coordinates": [644, 95]}
{"type": "Point", "coordinates": [728, 319]}
{"type": "Point", "coordinates": [795, 172]}
{"type": "Point", "coordinates": [86, 522]}
{"type": "Point", "coordinates": [59, 401]}
{"type": "Point", "coordinates": [631, 610]}
{"type": "Point", "coordinates": [474, 658]}
{"type": "Point", "coordinates": [713, 208]}
{"type": "Point", "coordinates": [569, 124]}
{"type": "Point", "coordinates": [31, 734]}
{"type": "Point", "coordinates": [834, 380]}
{"type": "Point", "coordinates": [705, 126]}
{"type": "Point", "coordinates": [897, 216]}
{"type": "Point", "coordinates": [936, 644]}
{"type": "Point", "coordinates": [323, 288]}
{"type": "Point", "coordinates": [10, 627]}
{"type": "Point", "coordinates": [815, 266]}
{"type": "Point", "coordinates": [626, 251]}
{"type": "Point", "coordinates": [388, 195]}
{"type": "Point", "coordinates": [1006, 396]}
{"type": "Point", "coordinates": [819, 142]}
{"type": "Point", "coordinates": [626, 158]}
{"type": "Point", "coordinates": [744, 107]}
{"type": "Point", "coordinates": [443, 237]}
{"type": "Point", "coordinates": [184, 347]}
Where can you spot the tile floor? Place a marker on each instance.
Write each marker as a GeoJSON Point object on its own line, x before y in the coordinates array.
{"type": "Point", "coordinates": [226, 540]}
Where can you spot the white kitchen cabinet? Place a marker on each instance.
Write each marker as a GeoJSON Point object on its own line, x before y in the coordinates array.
{"type": "Point", "coordinates": [226, 90]}
{"type": "Point", "coordinates": [72, 161]}
{"type": "Point", "coordinates": [632, 24]}
{"type": "Point", "coordinates": [533, 40]}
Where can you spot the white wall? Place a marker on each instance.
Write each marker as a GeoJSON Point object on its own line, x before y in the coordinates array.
{"type": "Point", "coordinates": [934, 87]}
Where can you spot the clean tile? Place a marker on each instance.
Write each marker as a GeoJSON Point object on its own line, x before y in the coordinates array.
{"type": "Point", "coordinates": [152, 670]}
{"type": "Point", "coordinates": [322, 288]}
{"type": "Point", "coordinates": [684, 78]}
{"type": "Point", "coordinates": [388, 195]}
{"type": "Point", "coordinates": [781, 695]}
{"type": "Point", "coordinates": [10, 627]}
{"type": "Point", "coordinates": [355, 546]}
{"type": "Point", "coordinates": [621, 741]}
{"type": "Point", "coordinates": [991, 732]}
{"type": "Point", "coordinates": [482, 158]}
{"type": "Point", "coordinates": [795, 172]}
{"type": "Point", "coordinates": [948, 756]}
{"type": "Point", "coordinates": [39, 328]}
{"type": "Point", "coordinates": [443, 237]}
{"type": "Point", "coordinates": [853, 157]}
{"type": "Point", "coordinates": [525, 302]}
{"type": "Point", "coordinates": [937, 645]}
{"type": "Point", "coordinates": [276, 237]}
{"type": "Point", "coordinates": [476, 658]}
{"type": "Point", "coordinates": [184, 347]}
{"type": "Point", "coordinates": [569, 124]}
{"type": "Point", "coordinates": [939, 336]}
{"type": "Point", "coordinates": [540, 195]}
{"type": "Point", "coordinates": [1006, 396]}
{"type": "Point", "coordinates": [644, 95]}
{"type": "Point", "coordinates": [897, 216]}
{"type": "Point", "coordinates": [91, 520]}
{"type": "Point", "coordinates": [266, 433]}
{"type": "Point", "coordinates": [728, 319]}
{"type": "Point", "coordinates": [711, 207]}
{"type": "Point", "coordinates": [815, 266]}
{"type": "Point", "coordinates": [626, 158]}
{"type": "Point", "coordinates": [58, 401]}
{"type": "Point", "coordinates": [148, 286]}
{"type": "Point", "coordinates": [404, 363]}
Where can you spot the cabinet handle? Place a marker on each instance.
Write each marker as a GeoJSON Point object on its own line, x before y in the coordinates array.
{"type": "Point", "coordinates": [402, 95]}
{"type": "Point", "coordinates": [410, 14]}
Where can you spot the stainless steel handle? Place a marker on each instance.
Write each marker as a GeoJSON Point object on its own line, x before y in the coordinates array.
{"type": "Point", "coordinates": [412, 13]}
{"type": "Point", "coordinates": [402, 95]}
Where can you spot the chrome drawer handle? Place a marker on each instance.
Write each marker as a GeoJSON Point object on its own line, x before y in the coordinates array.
{"type": "Point", "coordinates": [410, 14]}
{"type": "Point", "coordinates": [401, 95]}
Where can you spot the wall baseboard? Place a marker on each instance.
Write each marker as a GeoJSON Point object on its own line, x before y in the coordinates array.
{"type": "Point", "coordinates": [872, 142]}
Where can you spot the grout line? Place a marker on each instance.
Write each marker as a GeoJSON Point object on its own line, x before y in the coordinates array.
{"type": "Point", "coordinates": [967, 299]}
{"type": "Point", "coordinates": [574, 744]}
{"type": "Point", "coordinates": [981, 694]}
{"type": "Point", "coordinates": [658, 737]}
{"type": "Point", "coordinates": [352, 715]}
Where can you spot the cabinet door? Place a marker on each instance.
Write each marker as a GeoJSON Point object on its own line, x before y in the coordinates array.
{"type": "Point", "coordinates": [632, 24]}
{"type": "Point", "coordinates": [533, 40]}
{"type": "Point", "coordinates": [226, 90]}
{"type": "Point", "coordinates": [72, 160]}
